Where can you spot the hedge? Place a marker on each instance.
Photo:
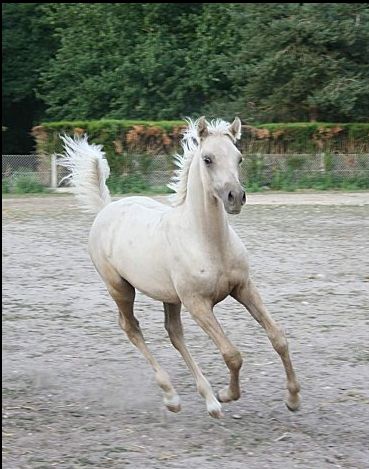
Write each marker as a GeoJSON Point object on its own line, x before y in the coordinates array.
{"type": "Point", "coordinates": [123, 140]}
{"type": "Point", "coordinates": [307, 137]}
{"type": "Point", "coordinates": [129, 143]}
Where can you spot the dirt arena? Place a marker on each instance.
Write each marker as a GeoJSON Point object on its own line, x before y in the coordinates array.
{"type": "Point", "coordinates": [76, 394]}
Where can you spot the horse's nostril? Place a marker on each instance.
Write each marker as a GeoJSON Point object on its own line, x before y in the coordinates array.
{"type": "Point", "coordinates": [230, 197]}
{"type": "Point", "coordinates": [244, 197]}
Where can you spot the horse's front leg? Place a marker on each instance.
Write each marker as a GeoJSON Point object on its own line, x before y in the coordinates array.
{"type": "Point", "coordinates": [173, 325]}
{"type": "Point", "coordinates": [204, 316]}
{"type": "Point", "coordinates": [248, 295]}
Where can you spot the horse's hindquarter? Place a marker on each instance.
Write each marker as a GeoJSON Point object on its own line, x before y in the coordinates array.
{"type": "Point", "coordinates": [130, 236]}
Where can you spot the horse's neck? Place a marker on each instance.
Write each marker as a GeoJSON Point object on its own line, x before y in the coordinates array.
{"type": "Point", "coordinates": [206, 216]}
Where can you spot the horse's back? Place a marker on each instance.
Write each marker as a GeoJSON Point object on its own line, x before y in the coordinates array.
{"type": "Point", "coordinates": [139, 202]}
{"type": "Point", "coordinates": [125, 219]}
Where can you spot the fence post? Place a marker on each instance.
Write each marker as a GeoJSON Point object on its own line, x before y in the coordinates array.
{"type": "Point", "coordinates": [54, 172]}
{"type": "Point", "coordinates": [322, 162]}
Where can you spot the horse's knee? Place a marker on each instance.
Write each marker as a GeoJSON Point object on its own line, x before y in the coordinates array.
{"type": "Point", "coordinates": [233, 360]}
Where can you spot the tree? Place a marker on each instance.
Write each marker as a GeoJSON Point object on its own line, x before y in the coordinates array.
{"type": "Point", "coordinates": [304, 61]}
{"type": "Point", "coordinates": [27, 47]}
{"type": "Point", "coordinates": [118, 60]}
{"type": "Point", "coordinates": [263, 61]}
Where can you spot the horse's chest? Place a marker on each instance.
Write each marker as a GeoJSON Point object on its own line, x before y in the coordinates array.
{"type": "Point", "coordinates": [211, 281]}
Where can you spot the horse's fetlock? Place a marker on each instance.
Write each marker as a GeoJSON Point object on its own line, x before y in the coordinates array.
{"type": "Point", "coordinates": [162, 378]}
{"type": "Point", "coordinates": [294, 388]}
{"type": "Point", "coordinates": [204, 389]}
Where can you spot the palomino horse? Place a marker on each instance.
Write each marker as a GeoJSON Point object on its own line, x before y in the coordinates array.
{"type": "Point", "coordinates": [184, 254]}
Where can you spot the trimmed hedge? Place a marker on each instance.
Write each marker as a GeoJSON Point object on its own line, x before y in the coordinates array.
{"type": "Point", "coordinates": [127, 143]}
{"type": "Point", "coordinates": [307, 137]}
{"type": "Point", "coordinates": [131, 145]}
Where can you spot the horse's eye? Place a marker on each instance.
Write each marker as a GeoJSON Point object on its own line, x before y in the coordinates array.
{"type": "Point", "coordinates": [207, 160]}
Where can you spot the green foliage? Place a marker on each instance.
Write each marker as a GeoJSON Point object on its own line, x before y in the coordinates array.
{"type": "Point", "coordinates": [308, 137]}
{"type": "Point", "coordinates": [292, 179]}
{"type": "Point", "coordinates": [23, 184]}
{"type": "Point", "coordinates": [128, 144]}
{"type": "Point", "coordinates": [27, 46]}
{"type": "Point", "coordinates": [119, 60]}
{"type": "Point", "coordinates": [290, 62]}
{"type": "Point", "coordinates": [280, 138]}
{"type": "Point", "coordinates": [114, 124]}
{"type": "Point", "coordinates": [300, 61]}
{"type": "Point", "coordinates": [5, 185]}
{"type": "Point", "coordinates": [133, 184]}
{"type": "Point", "coordinates": [286, 182]}
{"type": "Point", "coordinates": [131, 147]}
{"type": "Point", "coordinates": [25, 51]}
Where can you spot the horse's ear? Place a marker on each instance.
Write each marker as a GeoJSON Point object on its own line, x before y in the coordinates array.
{"type": "Point", "coordinates": [235, 128]}
{"type": "Point", "coordinates": [202, 128]}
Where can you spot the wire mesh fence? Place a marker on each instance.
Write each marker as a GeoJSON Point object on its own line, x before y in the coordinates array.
{"type": "Point", "coordinates": [33, 173]}
{"type": "Point", "coordinates": [306, 170]}
{"type": "Point", "coordinates": [23, 173]}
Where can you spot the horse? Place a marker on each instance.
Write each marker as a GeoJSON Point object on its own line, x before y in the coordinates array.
{"type": "Point", "coordinates": [185, 253]}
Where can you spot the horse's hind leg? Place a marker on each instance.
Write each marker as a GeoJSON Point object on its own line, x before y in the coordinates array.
{"type": "Point", "coordinates": [124, 294]}
{"type": "Point", "coordinates": [173, 325]}
{"type": "Point", "coordinates": [248, 295]}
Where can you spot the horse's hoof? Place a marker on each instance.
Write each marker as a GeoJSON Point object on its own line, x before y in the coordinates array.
{"type": "Point", "coordinates": [215, 410]}
{"type": "Point", "coordinates": [223, 396]}
{"type": "Point", "coordinates": [293, 403]}
{"type": "Point", "coordinates": [173, 404]}
{"type": "Point", "coordinates": [174, 408]}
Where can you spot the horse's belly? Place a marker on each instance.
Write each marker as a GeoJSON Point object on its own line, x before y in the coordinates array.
{"type": "Point", "coordinates": [149, 277]}
{"type": "Point", "coordinates": [160, 294]}
{"type": "Point", "coordinates": [146, 271]}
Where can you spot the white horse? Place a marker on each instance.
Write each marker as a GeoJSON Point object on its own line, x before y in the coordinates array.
{"type": "Point", "coordinates": [184, 254]}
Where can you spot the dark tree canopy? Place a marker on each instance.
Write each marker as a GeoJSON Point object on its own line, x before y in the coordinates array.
{"type": "Point", "coordinates": [266, 62]}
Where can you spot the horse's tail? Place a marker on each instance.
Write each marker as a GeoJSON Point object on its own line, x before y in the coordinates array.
{"type": "Point", "coordinates": [89, 170]}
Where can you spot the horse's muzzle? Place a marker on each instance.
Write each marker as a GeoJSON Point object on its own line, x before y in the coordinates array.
{"type": "Point", "coordinates": [233, 200]}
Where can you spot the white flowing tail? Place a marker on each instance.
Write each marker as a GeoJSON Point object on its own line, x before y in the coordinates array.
{"type": "Point", "coordinates": [89, 171]}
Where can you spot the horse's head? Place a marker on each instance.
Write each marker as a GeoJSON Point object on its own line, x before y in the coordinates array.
{"type": "Point", "coordinates": [219, 162]}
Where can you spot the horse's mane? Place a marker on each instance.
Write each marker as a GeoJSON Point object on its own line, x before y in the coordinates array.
{"type": "Point", "coordinates": [190, 143]}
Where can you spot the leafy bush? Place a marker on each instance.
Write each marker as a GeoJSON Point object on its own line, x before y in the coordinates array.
{"type": "Point", "coordinates": [136, 149]}
{"type": "Point", "coordinates": [307, 137]}
{"type": "Point", "coordinates": [291, 181]}
{"type": "Point", "coordinates": [125, 142]}
{"type": "Point", "coordinates": [5, 185]}
{"type": "Point", "coordinates": [123, 138]}
{"type": "Point", "coordinates": [134, 184]}
{"type": "Point", "coordinates": [26, 183]}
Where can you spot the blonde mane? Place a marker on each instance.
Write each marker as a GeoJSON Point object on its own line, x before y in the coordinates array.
{"type": "Point", "coordinates": [190, 143]}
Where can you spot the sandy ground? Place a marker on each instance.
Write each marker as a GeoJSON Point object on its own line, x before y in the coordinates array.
{"type": "Point", "coordinates": [76, 393]}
